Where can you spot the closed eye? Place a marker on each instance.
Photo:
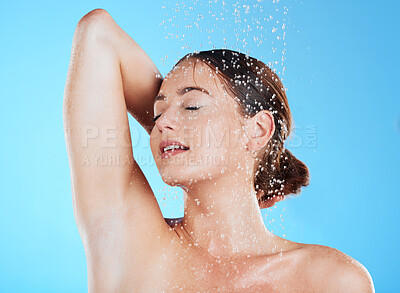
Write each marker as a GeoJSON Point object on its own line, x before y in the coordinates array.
{"type": "Point", "coordinates": [192, 108]}
{"type": "Point", "coordinates": [187, 108]}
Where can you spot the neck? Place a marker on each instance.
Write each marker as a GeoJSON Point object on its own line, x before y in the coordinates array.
{"type": "Point", "coordinates": [223, 217]}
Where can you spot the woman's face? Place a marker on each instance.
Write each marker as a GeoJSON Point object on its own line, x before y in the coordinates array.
{"type": "Point", "coordinates": [198, 113]}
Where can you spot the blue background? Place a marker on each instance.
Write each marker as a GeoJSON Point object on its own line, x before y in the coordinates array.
{"type": "Point", "coordinates": [340, 67]}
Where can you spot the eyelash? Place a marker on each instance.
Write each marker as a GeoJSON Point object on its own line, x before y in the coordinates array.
{"type": "Point", "coordinates": [187, 108]}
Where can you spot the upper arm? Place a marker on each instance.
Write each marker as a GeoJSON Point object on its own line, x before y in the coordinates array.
{"type": "Point", "coordinates": [95, 123]}
{"type": "Point", "coordinates": [352, 278]}
{"type": "Point", "coordinates": [111, 196]}
{"type": "Point", "coordinates": [338, 272]}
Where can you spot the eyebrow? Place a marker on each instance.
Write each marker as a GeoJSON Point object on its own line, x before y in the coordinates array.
{"type": "Point", "coordinates": [183, 90]}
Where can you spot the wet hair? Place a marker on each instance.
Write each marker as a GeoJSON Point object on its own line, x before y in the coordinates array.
{"type": "Point", "coordinates": [256, 87]}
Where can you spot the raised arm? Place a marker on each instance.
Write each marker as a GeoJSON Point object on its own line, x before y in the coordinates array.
{"type": "Point", "coordinates": [140, 77]}
{"type": "Point", "coordinates": [108, 74]}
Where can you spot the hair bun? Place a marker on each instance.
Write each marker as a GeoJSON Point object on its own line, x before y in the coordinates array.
{"type": "Point", "coordinates": [285, 177]}
{"type": "Point", "coordinates": [295, 173]}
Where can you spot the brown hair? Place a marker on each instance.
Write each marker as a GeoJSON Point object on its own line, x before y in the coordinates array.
{"type": "Point", "coordinates": [256, 87]}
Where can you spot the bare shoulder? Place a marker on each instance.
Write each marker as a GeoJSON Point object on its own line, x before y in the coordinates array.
{"type": "Point", "coordinates": [334, 271]}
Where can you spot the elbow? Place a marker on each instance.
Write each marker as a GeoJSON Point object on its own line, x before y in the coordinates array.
{"type": "Point", "coordinates": [94, 25]}
{"type": "Point", "coordinates": [95, 16]}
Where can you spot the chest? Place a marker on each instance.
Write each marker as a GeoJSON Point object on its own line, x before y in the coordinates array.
{"type": "Point", "coordinates": [190, 270]}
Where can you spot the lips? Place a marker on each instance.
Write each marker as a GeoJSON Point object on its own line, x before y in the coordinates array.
{"type": "Point", "coordinates": [170, 142]}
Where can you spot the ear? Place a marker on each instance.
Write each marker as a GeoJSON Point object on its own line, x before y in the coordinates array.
{"type": "Point", "coordinates": [269, 203]}
{"type": "Point", "coordinates": [260, 129]}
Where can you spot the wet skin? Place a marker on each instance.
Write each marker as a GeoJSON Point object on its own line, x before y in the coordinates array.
{"type": "Point", "coordinates": [221, 244]}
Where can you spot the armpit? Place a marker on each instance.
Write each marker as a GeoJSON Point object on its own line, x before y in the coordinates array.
{"type": "Point", "coordinates": [173, 221]}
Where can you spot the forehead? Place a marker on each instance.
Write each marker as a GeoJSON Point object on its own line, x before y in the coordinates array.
{"type": "Point", "coordinates": [192, 72]}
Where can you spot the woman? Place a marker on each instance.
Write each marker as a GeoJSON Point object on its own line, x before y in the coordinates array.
{"type": "Point", "coordinates": [220, 122]}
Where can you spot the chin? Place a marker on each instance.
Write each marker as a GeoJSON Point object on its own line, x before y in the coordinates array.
{"type": "Point", "coordinates": [177, 176]}
{"type": "Point", "coordinates": [174, 175]}
{"type": "Point", "coordinates": [185, 169]}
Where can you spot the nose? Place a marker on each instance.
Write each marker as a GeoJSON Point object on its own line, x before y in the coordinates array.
{"type": "Point", "coordinates": [168, 120]}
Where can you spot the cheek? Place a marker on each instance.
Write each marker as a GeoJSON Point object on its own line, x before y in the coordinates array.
{"type": "Point", "coordinates": [226, 140]}
{"type": "Point", "coordinates": [218, 148]}
{"type": "Point", "coordinates": [216, 137]}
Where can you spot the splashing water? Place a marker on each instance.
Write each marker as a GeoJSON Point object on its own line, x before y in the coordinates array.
{"type": "Point", "coordinates": [257, 28]}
